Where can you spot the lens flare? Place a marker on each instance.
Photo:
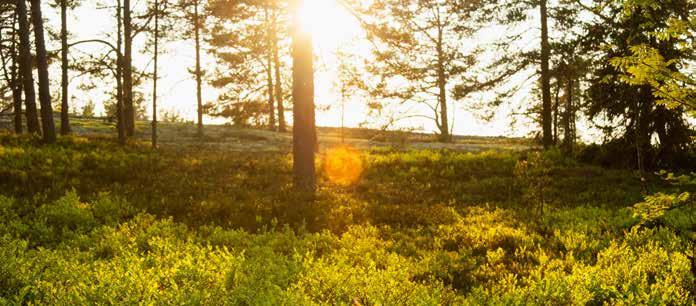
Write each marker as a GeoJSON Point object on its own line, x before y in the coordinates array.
{"type": "Point", "coordinates": [343, 165]}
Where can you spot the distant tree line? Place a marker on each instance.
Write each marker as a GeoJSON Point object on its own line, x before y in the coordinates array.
{"type": "Point", "coordinates": [19, 62]}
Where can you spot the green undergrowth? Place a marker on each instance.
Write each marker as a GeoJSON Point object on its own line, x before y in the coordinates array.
{"type": "Point", "coordinates": [88, 222]}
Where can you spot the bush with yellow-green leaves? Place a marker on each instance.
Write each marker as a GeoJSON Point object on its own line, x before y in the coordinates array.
{"type": "Point", "coordinates": [419, 228]}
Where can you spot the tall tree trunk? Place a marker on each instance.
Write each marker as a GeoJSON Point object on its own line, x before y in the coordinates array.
{"type": "Point", "coordinates": [278, 84]}
{"type": "Point", "coordinates": [271, 95]}
{"type": "Point", "coordinates": [639, 153]}
{"type": "Point", "coordinates": [304, 129]}
{"type": "Point", "coordinates": [556, 104]}
{"type": "Point", "coordinates": [269, 71]}
{"type": "Point", "coordinates": [545, 77]}
{"type": "Point", "coordinates": [120, 124]}
{"type": "Point", "coordinates": [128, 107]}
{"type": "Point", "coordinates": [12, 76]}
{"type": "Point", "coordinates": [16, 85]}
{"type": "Point", "coordinates": [17, 99]}
{"type": "Point", "coordinates": [568, 138]}
{"type": "Point", "coordinates": [442, 94]}
{"type": "Point", "coordinates": [49, 129]}
{"type": "Point", "coordinates": [343, 114]}
{"type": "Point", "coordinates": [642, 137]}
{"type": "Point", "coordinates": [154, 79]}
{"type": "Point", "coordinates": [25, 66]}
{"type": "Point", "coordinates": [279, 93]}
{"type": "Point", "coordinates": [64, 107]}
{"type": "Point", "coordinates": [17, 103]}
{"type": "Point", "coordinates": [199, 77]}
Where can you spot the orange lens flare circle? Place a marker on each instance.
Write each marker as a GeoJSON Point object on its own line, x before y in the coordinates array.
{"type": "Point", "coordinates": [343, 165]}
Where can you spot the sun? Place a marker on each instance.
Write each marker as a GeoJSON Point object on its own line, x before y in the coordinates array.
{"type": "Point", "coordinates": [329, 22]}
{"type": "Point", "coordinates": [333, 28]}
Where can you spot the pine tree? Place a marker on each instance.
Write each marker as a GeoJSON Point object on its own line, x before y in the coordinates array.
{"type": "Point", "coordinates": [9, 58]}
{"type": "Point", "coordinates": [417, 44]}
{"type": "Point", "coordinates": [546, 112]}
{"type": "Point", "coordinates": [25, 66]}
{"type": "Point", "coordinates": [128, 103]}
{"type": "Point", "coordinates": [48, 125]}
{"type": "Point", "coordinates": [304, 128]}
{"type": "Point", "coordinates": [245, 41]}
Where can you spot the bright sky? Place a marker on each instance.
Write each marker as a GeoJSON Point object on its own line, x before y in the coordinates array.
{"type": "Point", "coordinates": [333, 28]}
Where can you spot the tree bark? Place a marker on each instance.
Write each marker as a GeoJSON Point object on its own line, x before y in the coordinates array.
{"type": "Point", "coordinates": [279, 94]}
{"type": "Point", "coordinates": [154, 78]}
{"type": "Point", "coordinates": [556, 104]}
{"type": "Point", "coordinates": [642, 137]}
{"type": "Point", "coordinates": [278, 84]}
{"type": "Point", "coordinates": [128, 107]}
{"type": "Point", "coordinates": [120, 124]}
{"type": "Point", "coordinates": [569, 138]}
{"type": "Point", "coordinates": [49, 129]}
{"type": "Point", "coordinates": [17, 104]}
{"type": "Point", "coordinates": [271, 95]}
{"type": "Point", "coordinates": [25, 66]}
{"type": "Point", "coordinates": [64, 107]}
{"type": "Point", "coordinates": [545, 78]}
{"type": "Point", "coordinates": [304, 129]}
{"type": "Point", "coordinates": [442, 94]}
{"type": "Point", "coordinates": [269, 71]}
{"type": "Point", "coordinates": [12, 76]}
{"type": "Point", "coordinates": [199, 77]}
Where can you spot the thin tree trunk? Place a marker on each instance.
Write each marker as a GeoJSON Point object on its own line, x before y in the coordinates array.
{"type": "Point", "coordinates": [641, 138]}
{"type": "Point", "coordinates": [25, 66]}
{"type": "Point", "coordinates": [12, 76]}
{"type": "Point", "coordinates": [17, 104]}
{"type": "Point", "coordinates": [17, 100]}
{"type": "Point", "coordinates": [128, 107]}
{"type": "Point", "coordinates": [120, 125]}
{"type": "Point", "coordinates": [154, 79]}
{"type": "Point", "coordinates": [545, 78]}
{"type": "Point", "coordinates": [556, 104]}
{"type": "Point", "coordinates": [269, 72]}
{"type": "Point", "coordinates": [199, 78]}
{"type": "Point", "coordinates": [278, 85]}
{"type": "Point", "coordinates": [639, 155]}
{"type": "Point", "coordinates": [271, 95]}
{"type": "Point", "coordinates": [343, 114]}
{"type": "Point", "coordinates": [49, 129]}
{"type": "Point", "coordinates": [304, 129]}
{"type": "Point", "coordinates": [279, 94]}
{"type": "Point", "coordinates": [442, 94]}
{"type": "Point", "coordinates": [64, 107]}
{"type": "Point", "coordinates": [17, 85]}
{"type": "Point", "coordinates": [568, 138]}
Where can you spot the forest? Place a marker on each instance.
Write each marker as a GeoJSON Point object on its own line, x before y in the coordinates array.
{"type": "Point", "coordinates": [347, 152]}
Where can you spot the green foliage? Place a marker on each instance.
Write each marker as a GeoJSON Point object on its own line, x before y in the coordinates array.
{"type": "Point", "coordinates": [672, 81]}
{"type": "Point", "coordinates": [655, 206]}
{"type": "Point", "coordinates": [535, 175]}
{"type": "Point", "coordinates": [673, 209]}
{"type": "Point", "coordinates": [641, 78]}
{"type": "Point", "coordinates": [110, 210]}
{"type": "Point", "coordinates": [625, 273]}
{"type": "Point", "coordinates": [61, 219]}
{"type": "Point", "coordinates": [88, 109]}
{"type": "Point", "coordinates": [117, 225]}
{"type": "Point", "coordinates": [13, 268]}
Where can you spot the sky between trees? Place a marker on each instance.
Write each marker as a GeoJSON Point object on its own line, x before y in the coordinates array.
{"type": "Point", "coordinates": [333, 28]}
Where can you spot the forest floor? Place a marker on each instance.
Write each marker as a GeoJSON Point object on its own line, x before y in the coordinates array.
{"type": "Point", "coordinates": [393, 222]}
{"type": "Point", "coordinates": [246, 139]}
